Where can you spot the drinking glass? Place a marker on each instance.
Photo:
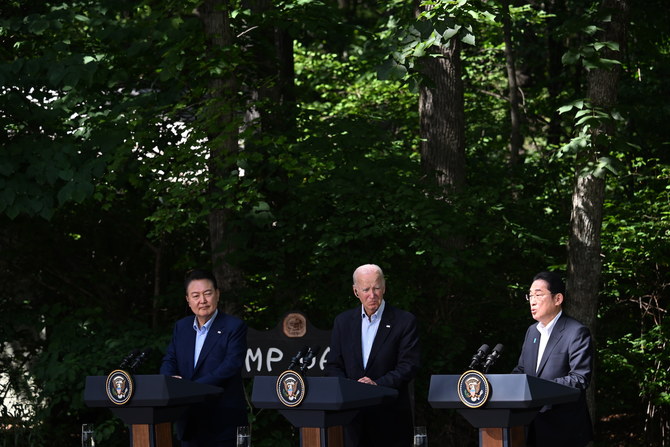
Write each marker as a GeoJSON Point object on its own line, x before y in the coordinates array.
{"type": "Point", "coordinates": [420, 437]}
{"type": "Point", "coordinates": [87, 435]}
{"type": "Point", "coordinates": [243, 436]}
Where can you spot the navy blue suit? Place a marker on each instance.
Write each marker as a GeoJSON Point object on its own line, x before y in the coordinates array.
{"type": "Point", "coordinates": [220, 364]}
{"type": "Point", "coordinates": [393, 362]}
{"type": "Point", "coordinates": [568, 360]}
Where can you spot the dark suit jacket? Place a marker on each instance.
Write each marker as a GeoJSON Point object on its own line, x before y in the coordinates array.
{"type": "Point", "coordinates": [393, 362]}
{"type": "Point", "coordinates": [568, 360]}
{"type": "Point", "coordinates": [220, 364]}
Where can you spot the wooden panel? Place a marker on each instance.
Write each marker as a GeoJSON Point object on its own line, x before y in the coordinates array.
{"type": "Point", "coordinates": [311, 437]}
{"type": "Point", "coordinates": [141, 435]}
{"type": "Point", "coordinates": [335, 436]}
{"type": "Point", "coordinates": [518, 435]}
{"type": "Point", "coordinates": [162, 435]}
{"type": "Point", "coordinates": [502, 437]}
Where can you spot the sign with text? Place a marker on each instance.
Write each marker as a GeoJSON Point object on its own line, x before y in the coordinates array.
{"type": "Point", "coordinates": [270, 352]}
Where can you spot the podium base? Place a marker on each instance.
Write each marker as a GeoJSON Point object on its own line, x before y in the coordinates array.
{"type": "Point", "coordinates": [321, 437]}
{"type": "Point", "coordinates": [502, 437]}
{"type": "Point", "coordinates": [152, 435]}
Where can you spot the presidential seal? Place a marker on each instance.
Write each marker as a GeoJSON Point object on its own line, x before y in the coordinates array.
{"type": "Point", "coordinates": [290, 388]}
{"type": "Point", "coordinates": [119, 387]}
{"type": "Point", "coordinates": [473, 389]}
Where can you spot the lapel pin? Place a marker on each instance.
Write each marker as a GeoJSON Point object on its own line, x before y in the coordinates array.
{"type": "Point", "coordinates": [388, 325]}
{"type": "Point", "coordinates": [218, 332]}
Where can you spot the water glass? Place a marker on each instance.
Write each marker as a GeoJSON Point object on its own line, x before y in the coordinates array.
{"type": "Point", "coordinates": [420, 437]}
{"type": "Point", "coordinates": [243, 436]}
{"type": "Point", "coordinates": [87, 435]}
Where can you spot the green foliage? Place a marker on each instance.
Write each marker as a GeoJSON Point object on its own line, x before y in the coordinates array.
{"type": "Point", "coordinates": [589, 120]}
{"type": "Point", "coordinates": [643, 360]}
{"type": "Point", "coordinates": [629, 354]}
{"type": "Point", "coordinates": [436, 26]}
{"type": "Point", "coordinates": [75, 110]}
{"type": "Point", "coordinates": [110, 130]}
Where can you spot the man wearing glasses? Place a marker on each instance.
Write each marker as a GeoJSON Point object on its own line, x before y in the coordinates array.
{"type": "Point", "coordinates": [557, 348]}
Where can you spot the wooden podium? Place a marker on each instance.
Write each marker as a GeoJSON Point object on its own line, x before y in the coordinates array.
{"type": "Point", "coordinates": [513, 402]}
{"type": "Point", "coordinates": [329, 403]}
{"type": "Point", "coordinates": [157, 401]}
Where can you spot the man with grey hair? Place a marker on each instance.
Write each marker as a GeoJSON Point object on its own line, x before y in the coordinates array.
{"type": "Point", "coordinates": [376, 344]}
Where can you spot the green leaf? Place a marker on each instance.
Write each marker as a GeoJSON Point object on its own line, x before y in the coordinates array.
{"type": "Point", "coordinates": [570, 57]}
{"type": "Point", "coordinates": [38, 26]}
{"type": "Point", "coordinates": [469, 39]}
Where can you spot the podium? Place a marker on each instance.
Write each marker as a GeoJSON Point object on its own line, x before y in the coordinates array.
{"type": "Point", "coordinates": [158, 400]}
{"type": "Point", "coordinates": [329, 403]}
{"type": "Point", "coordinates": [513, 402]}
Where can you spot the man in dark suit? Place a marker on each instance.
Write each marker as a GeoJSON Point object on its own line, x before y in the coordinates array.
{"type": "Point", "coordinates": [557, 348]}
{"type": "Point", "coordinates": [209, 348]}
{"type": "Point", "coordinates": [377, 344]}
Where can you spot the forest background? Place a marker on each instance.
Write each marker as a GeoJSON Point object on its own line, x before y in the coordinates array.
{"type": "Point", "coordinates": [461, 145]}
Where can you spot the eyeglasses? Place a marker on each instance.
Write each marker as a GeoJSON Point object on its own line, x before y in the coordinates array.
{"type": "Point", "coordinates": [537, 297]}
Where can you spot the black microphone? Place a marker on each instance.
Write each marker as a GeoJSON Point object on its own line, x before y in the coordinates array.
{"type": "Point", "coordinates": [479, 356]}
{"type": "Point", "coordinates": [296, 358]}
{"type": "Point", "coordinates": [492, 357]}
{"type": "Point", "coordinates": [311, 353]}
{"type": "Point", "coordinates": [137, 361]}
{"type": "Point", "coordinates": [127, 360]}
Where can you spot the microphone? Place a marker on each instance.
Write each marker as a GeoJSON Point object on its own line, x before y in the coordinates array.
{"type": "Point", "coordinates": [311, 353]}
{"type": "Point", "coordinates": [479, 356]}
{"type": "Point", "coordinates": [127, 360]}
{"type": "Point", "coordinates": [492, 357]}
{"type": "Point", "coordinates": [137, 361]}
{"type": "Point", "coordinates": [296, 358]}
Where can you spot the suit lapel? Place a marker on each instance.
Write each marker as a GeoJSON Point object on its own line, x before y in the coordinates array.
{"type": "Point", "coordinates": [213, 336]}
{"type": "Point", "coordinates": [356, 334]}
{"type": "Point", "coordinates": [383, 331]}
{"type": "Point", "coordinates": [534, 341]}
{"type": "Point", "coordinates": [556, 335]}
{"type": "Point", "coordinates": [189, 341]}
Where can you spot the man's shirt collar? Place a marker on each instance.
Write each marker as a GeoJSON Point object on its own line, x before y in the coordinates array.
{"type": "Point", "coordinates": [549, 325]}
{"type": "Point", "coordinates": [205, 327]}
{"type": "Point", "coordinates": [375, 315]}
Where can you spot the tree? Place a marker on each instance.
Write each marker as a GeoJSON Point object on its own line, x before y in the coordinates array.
{"type": "Point", "coordinates": [442, 119]}
{"type": "Point", "coordinates": [516, 137]}
{"type": "Point", "coordinates": [128, 125]}
{"type": "Point", "coordinates": [584, 244]}
{"type": "Point", "coordinates": [220, 122]}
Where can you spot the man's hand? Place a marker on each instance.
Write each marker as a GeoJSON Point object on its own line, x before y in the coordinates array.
{"type": "Point", "coordinates": [367, 380]}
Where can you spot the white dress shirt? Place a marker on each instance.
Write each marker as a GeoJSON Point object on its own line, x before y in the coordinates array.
{"type": "Point", "coordinates": [369, 326]}
{"type": "Point", "coordinates": [201, 335]}
{"type": "Point", "coordinates": [545, 333]}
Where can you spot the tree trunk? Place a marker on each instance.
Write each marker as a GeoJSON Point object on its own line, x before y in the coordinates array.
{"type": "Point", "coordinates": [584, 246]}
{"type": "Point", "coordinates": [584, 260]}
{"type": "Point", "coordinates": [516, 138]}
{"type": "Point", "coordinates": [555, 71]}
{"type": "Point", "coordinates": [273, 78]}
{"type": "Point", "coordinates": [222, 122]}
{"type": "Point", "coordinates": [442, 121]}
